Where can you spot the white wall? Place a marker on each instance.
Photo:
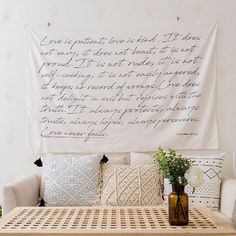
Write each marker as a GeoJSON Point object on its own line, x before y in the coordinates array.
{"type": "Point", "coordinates": [16, 161]}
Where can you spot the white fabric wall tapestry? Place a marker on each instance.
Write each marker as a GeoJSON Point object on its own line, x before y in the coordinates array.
{"type": "Point", "coordinates": [114, 89]}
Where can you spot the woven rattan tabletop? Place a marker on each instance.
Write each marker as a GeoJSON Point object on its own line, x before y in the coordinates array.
{"type": "Point", "coordinates": [108, 221]}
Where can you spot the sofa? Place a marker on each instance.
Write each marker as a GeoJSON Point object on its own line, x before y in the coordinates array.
{"type": "Point", "coordinates": [26, 192]}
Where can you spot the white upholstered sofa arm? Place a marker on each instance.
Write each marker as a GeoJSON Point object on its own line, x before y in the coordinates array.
{"type": "Point", "coordinates": [228, 196]}
{"type": "Point", "coordinates": [21, 193]}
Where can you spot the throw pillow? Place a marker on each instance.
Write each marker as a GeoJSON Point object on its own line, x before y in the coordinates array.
{"type": "Point", "coordinates": [71, 181]}
{"type": "Point", "coordinates": [208, 194]}
{"type": "Point", "coordinates": [125, 185]}
{"type": "Point", "coordinates": [118, 159]}
{"type": "Point", "coordinates": [139, 158]}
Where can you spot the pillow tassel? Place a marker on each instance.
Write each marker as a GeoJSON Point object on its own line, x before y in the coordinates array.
{"type": "Point", "coordinates": [41, 203]}
{"type": "Point", "coordinates": [104, 159]}
{"type": "Point", "coordinates": [38, 162]}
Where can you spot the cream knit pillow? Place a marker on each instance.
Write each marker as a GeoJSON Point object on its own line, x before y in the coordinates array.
{"type": "Point", "coordinates": [125, 185]}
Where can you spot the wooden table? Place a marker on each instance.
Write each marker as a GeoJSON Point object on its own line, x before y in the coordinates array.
{"type": "Point", "coordinates": [132, 221]}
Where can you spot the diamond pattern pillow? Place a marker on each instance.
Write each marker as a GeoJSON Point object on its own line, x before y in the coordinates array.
{"type": "Point", "coordinates": [71, 181]}
{"type": "Point", "coordinates": [208, 194]}
{"type": "Point", "coordinates": [125, 185]}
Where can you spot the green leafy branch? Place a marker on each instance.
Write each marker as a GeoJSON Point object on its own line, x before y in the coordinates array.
{"type": "Point", "coordinates": [172, 165]}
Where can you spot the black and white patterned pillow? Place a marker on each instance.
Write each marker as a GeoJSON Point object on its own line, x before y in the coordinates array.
{"type": "Point", "coordinates": [71, 181]}
{"type": "Point", "coordinates": [208, 194]}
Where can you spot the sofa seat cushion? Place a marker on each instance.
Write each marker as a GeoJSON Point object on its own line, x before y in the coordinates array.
{"type": "Point", "coordinates": [223, 217]}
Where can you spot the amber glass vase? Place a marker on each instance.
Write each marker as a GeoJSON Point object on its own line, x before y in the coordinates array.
{"type": "Point", "coordinates": [178, 205]}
